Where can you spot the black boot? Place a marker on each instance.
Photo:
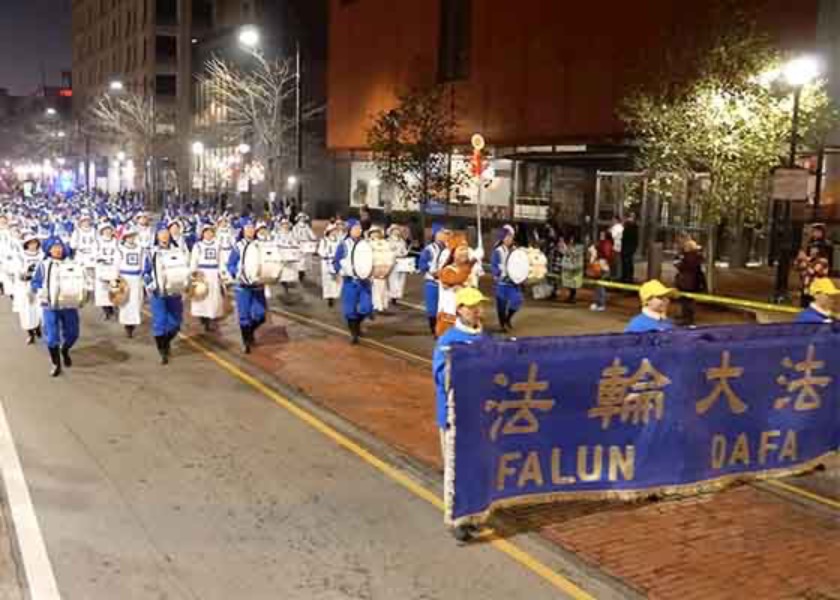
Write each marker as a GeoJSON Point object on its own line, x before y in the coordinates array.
{"type": "Point", "coordinates": [510, 319]}
{"type": "Point", "coordinates": [55, 358]}
{"type": "Point", "coordinates": [433, 325]}
{"type": "Point", "coordinates": [65, 354]}
{"type": "Point", "coordinates": [247, 333]}
{"type": "Point", "coordinates": [31, 339]}
{"type": "Point", "coordinates": [38, 332]}
{"type": "Point", "coordinates": [503, 319]}
{"type": "Point", "coordinates": [330, 302]}
{"type": "Point", "coordinates": [160, 342]}
{"type": "Point", "coordinates": [355, 330]}
{"type": "Point", "coordinates": [205, 323]}
{"type": "Point", "coordinates": [129, 331]}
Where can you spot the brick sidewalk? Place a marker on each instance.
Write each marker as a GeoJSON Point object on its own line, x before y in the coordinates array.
{"type": "Point", "coordinates": [740, 543]}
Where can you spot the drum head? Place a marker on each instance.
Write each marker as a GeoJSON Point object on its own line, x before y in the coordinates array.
{"type": "Point", "coordinates": [518, 266]}
{"type": "Point", "coordinates": [361, 259]}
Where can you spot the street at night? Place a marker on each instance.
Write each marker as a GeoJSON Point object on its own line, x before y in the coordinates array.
{"type": "Point", "coordinates": [442, 300]}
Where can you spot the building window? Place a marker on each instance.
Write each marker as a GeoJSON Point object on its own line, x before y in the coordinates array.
{"type": "Point", "coordinates": [166, 48]}
{"type": "Point", "coordinates": [455, 40]}
{"type": "Point", "coordinates": [166, 85]}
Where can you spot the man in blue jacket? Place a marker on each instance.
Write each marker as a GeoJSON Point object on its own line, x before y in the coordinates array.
{"type": "Point", "coordinates": [468, 329]}
{"type": "Point", "coordinates": [824, 293]}
{"type": "Point", "coordinates": [655, 297]}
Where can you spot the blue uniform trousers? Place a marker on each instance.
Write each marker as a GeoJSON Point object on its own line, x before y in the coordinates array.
{"type": "Point", "coordinates": [508, 297]}
{"type": "Point", "coordinates": [356, 299]}
{"type": "Point", "coordinates": [250, 306]}
{"type": "Point", "coordinates": [61, 327]}
{"type": "Point", "coordinates": [431, 291]}
{"type": "Point", "coordinates": [167, 315]}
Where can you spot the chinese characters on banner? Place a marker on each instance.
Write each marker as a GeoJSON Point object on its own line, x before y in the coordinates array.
{"type": "Point", "coordinates": [614, 416]}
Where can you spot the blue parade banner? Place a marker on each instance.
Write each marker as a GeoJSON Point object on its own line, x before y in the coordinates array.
{"type": "Point", "coordinates": [621, 416]}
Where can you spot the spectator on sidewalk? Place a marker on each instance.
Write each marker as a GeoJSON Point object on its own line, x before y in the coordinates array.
{"type": "Point", "coordinates": [617, 236]}
{"type": "Point", "coordinates": [629, 245]}
{"type": "Point", "coordinates": [824, 293]}
{"type": "Point", "coordinates": [573, 259]}
{"type": "Point", "coordinates": [690, 278]}
{"type": "Point", "coordinates": [811, 266]}
{"type": "Point", "coordinates": [555, 263]}
{"type": "Point", "coordinates": [655, 299]}
{"type": "Point", "coordinates": [598, 268]}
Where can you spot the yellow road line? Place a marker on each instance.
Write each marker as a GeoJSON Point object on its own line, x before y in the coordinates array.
{"type": "Point", "coordinates": [804, 493]}
{"type": "Point", "coordinates": [510, 549]}
{"type": "Point", "coordinates": [365, 341]}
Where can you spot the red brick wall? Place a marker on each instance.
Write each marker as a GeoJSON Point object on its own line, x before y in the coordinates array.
{"type": "Point", "coordinates": [542, 70]}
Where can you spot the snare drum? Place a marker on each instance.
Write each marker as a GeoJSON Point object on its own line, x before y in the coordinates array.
{"type": "Point", "coordinates": [174, 272]}
{"type": "Point", "coordinates": [406, 265]}
{"type": "Point", "coordinates": [289, 255]}
{"type": "Point", "coordinates": [309, 247]}
{"type": "Point", "coordinates": [70, 289]}
{"type": "Point", "coordinates": [271, 263]}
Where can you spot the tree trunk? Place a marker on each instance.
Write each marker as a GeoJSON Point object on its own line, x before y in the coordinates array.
{"type": "Point", "coordinates": [423, 201]}
{"type": "Point", "coordinates": [711, 249]}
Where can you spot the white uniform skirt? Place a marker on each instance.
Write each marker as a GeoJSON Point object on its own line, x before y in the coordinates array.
{"type": "Point", "coordinates": [27, 306]}
{"type": "Point", "coordinates": [396, 284]}
{"type": "Point", "coordinates": [101, 288]}
{"type": "Point", "coordinates": [212, 307]}
{"type": "Point", "coordinates": [330, 282]}
{"type": "Point", "coordinates": [379, 291]}
{"type": "Point", "coordinates": [131, 311]}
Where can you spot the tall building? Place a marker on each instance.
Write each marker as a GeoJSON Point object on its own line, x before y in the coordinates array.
{"type": "Point", "coordinates": [542, 80]}
{"type": "Point", "coordinates": [146, 45]}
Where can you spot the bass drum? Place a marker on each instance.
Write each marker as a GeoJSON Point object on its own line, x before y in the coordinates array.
{"type": "Point", "coordinates": [361, 260]}
{"type": "Point", "coordinates": [72, 292]}
{"type": "Point", "coordinates": [518, 266]}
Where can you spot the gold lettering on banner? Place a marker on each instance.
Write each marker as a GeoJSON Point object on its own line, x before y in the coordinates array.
{"type": "Point", "coordinates": [531, 471]}
{"type": "Point", "coordinates": [557, 477]}
{"type": "Point", "coordinates": [626, 463]}
{"type": "Point", "coordinates": [807, 398]}
{"type": "Point", "coordinates": [722, 375]}
{"type": "Point", "coordinates": [505, 470]}
{"type": "Point", "coordinates": [718, 451]}
{"type": "Point", "coordinates": [522, 420]}
{"type": "Point", "coordinates": [583, 472]}
{"type": "Point", "coordinates": [631, 399]}
{"type": "Point", "coordinates": [766, 445]}
{"type": "Point", "coordinates": [741, 452]}
{"type": "Point", "coordinates": [789, 450]}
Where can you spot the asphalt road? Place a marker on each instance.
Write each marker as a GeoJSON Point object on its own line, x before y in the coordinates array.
{"type": "Point", "coordinates": [182, 482]}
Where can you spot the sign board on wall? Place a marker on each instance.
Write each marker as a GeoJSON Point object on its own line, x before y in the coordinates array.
{"type": "Point", "coordinates": [791, 184]}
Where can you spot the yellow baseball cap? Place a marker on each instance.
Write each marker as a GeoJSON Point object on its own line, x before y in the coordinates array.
{"type": "Point", "coordinates": [824, 286]}
{"type": "Point", "coordinates": [654, 289]}
{"type": "Point", "coordinates": [469, 297]}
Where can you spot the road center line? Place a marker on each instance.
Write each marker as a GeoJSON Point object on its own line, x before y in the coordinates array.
{"type": "Point", "coordinates": [37, 567]}
{"type": "Point", "coordinates": [509, 548]}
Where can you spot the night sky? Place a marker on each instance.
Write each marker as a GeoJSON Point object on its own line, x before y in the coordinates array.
{"type": "Point", "coordinates": [33, 32]}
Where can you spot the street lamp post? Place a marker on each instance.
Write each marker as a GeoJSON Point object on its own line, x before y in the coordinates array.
{"type": "Point", "coordinates": [796, 73]}
{"type": "Point", "coordinates": [249, 37]}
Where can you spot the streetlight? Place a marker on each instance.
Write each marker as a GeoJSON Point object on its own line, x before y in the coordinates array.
{"type": "Point", "coordinates": [249, 36]}
{"type": "Point", "coordinates": [61, 134]}
{"type": "Point", "coordinates": [116, 86]}
{"type": "Point", "coordinates": [198, 148]}
{"type": "Point", "coordinates": [797, 73]}
{"type": "Point", "coordinates": [60, 160]}
{"type": "Point", "coordinates": [292, 181]}
{"type": "Point", "coordinates": [243, 148]}
{"type": "Point", "coordinates": [51, 112]}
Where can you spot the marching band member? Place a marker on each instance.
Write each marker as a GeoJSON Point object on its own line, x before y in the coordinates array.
{"type": "Point", "coordinates": [429, 265]}
{"type": "Point", "coordinates": [130, 260]}
{"type": "Point", "coordinates": [61, 325]}
{"type": "Point", "coordinates": [508, 294]}
{"type": "Point", "coordinates": [29, 308]}
{"type": "Point", "coordinates": [286, 240]}
{"type": "Point", "coordinates": [6, 243]}
{"type": "Point", "coordinates": [205, 260]}
{"type": "Point", "coordinates": [107, 249]}
{"type": "Point", "coordinates": [250, 297]}
{"type": "Point", "coordinates": [330, 278]}
{"type": "Point", "coordinates": [396, 281]}
{"type": "Point", "coordinates": [356, 301]}
{"type": "Point", "coordinates": [167, 308]}
{"type": "Point", "coordinates": [83, 245]}
{"type": "Point", "coordinates": [145, 234]}
{"type": "Point", "coordinates": [383, 266]}
{"type": "Point", "coordinates": [824, 293]}
{"type": "Point", "coordinates": [461, 270]}
{"type": "Point", "coordinates": [655, 297]}
{"type": "Point", "coordinates": [303, 233]}
{"type": "Point", "coordinates": [226, 235]}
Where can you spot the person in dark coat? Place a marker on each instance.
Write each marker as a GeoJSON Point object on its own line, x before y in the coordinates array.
{"type": "Point", "coordinates": [690, 278]}
{"type": "Point", "coordinates": [629, 245]}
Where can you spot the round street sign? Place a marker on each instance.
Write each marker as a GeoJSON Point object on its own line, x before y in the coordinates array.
{"type": "Point", "coordinates": [477, 142]}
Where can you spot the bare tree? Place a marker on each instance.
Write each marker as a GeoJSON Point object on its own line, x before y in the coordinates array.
{"type": "Point", "coordinates": [133, 119]}
{"type": "Point", "coordinates": [259, 104]}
